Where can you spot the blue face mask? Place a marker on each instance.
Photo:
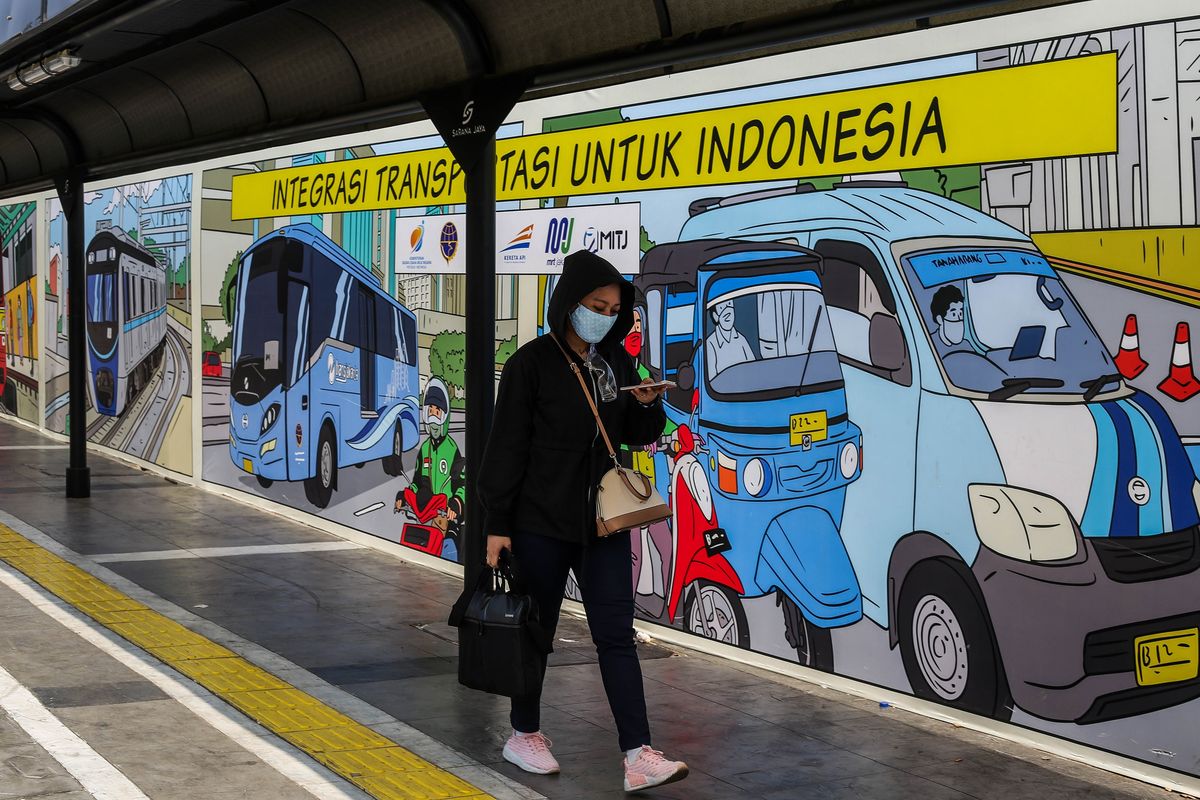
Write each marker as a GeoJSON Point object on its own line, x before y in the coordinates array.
{"type": "Point", "coordinates": [590, 325]}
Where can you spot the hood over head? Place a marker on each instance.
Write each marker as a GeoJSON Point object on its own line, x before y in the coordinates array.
{"type": "Point", "coordinates": [583, 272]}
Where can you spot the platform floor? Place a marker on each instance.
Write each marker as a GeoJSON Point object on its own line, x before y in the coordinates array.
{"type": "Point", "coordinates": [360, 633]}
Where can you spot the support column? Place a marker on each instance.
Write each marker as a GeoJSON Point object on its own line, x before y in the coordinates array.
{"type": "Point", "coordinates": [70, 193]}
{"type": "Point", "coordinates": [480, 340]}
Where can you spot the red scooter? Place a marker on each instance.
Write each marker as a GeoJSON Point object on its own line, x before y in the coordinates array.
{"type": "Point", "coordinates": [694, 572]}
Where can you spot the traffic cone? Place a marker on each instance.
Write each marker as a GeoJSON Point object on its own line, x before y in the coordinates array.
{"type": "Point", "coordinates": [1129, 359]}
{"type": "Point", "coordinates": [1181, 383]}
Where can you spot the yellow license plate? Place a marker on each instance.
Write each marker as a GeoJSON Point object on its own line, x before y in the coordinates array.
{"type": "Point", "coordinates": [1167, 657]}
{"type": "Point", "coordinates": [248, 465]}
{"type": "Point", "coordinates": [813, 426]}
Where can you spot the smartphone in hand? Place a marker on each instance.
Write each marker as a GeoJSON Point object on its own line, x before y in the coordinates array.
{"type": "Point", "coordinates": [655, 385]}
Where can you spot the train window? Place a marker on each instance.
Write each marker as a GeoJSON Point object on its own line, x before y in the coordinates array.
{"type": "Point", "coordinates": [128, 304]}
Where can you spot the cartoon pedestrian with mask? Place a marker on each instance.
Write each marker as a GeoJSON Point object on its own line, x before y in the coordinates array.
{"type": "Point", "coordinates": [437, 494]}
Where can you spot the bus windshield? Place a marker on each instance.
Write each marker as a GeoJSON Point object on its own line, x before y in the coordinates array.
{"type": "Point", "coordinates": [102, 308]}
{"type": "Point", "coordinates": [768, 340]}
{"type": "Point", "coordinates": [1002, 322]}
{"type": "Point", "coordinates": [260, 325]}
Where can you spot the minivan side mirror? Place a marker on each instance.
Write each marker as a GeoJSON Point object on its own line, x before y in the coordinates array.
{"type": "Point", "coordinates": [886, 342]}
{"type": "Point", "coordinates": [685, 376]}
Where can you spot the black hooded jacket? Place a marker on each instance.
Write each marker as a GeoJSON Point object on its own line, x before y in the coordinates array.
{"type": "Point", "coordinates": [545, 454]}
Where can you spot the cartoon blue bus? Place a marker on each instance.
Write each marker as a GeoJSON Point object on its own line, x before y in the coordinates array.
{"type": "Point", "coordinates": [1009, 467]}
{"type": "Point", "coordinates": [744, 331]}
{"type": "Point", "coordinates": [324, 365]}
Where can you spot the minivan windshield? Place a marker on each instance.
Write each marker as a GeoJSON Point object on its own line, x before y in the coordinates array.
{"type": "Point", "coordinates": [1002, 323]}
{"type": "Point", "coordinates": [259, 321]}
{"type": "Point", "coordinates": [768, 338]}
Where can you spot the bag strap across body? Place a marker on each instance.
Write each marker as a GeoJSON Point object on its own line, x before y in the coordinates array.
{"type": "Point", "coordinates": [647, 489]}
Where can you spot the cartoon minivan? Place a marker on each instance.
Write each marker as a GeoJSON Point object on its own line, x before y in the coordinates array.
{"type": "Point", "coordinates": [744, 331]}
{"type": "Point", "coordinates": [1026, 529]}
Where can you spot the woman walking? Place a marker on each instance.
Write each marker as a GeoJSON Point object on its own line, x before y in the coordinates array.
{"type": "Point", "coordinates": [543, 461]}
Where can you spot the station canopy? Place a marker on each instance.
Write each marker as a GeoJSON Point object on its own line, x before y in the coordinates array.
{"type": "Point", "coordinates": [163, 82]}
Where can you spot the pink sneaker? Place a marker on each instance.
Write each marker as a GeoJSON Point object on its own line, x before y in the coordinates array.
{"type": "Point", "coordinates": [531, 752]}
{"type": "Point", "coordinates": [651, 769]}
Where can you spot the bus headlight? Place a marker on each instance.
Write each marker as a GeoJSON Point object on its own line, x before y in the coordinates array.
{"type": "Point", "coordinates": [1020, 524]}
{"type": "Point", "coordinates": [269, 418]}
{"type": "Point", "coordinates": [756, 477]}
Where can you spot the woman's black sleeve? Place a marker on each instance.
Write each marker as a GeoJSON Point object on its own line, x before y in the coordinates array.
{"type": "Point", "coordinates": [507, 452]}
{"type": "Point", "coordinates": [643, 423]}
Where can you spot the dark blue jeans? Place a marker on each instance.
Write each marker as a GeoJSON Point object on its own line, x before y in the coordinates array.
{"type": "Point", "coordinates": [605, 573]}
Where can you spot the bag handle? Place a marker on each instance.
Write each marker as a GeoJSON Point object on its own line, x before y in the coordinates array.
{"type": "Point", "coordinates": [646, 491]}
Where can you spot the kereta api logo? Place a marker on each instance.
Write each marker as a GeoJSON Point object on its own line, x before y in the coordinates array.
{"type": "Point", "coordinates": [521, 240]}
{"type": "Point", "coordinates": [417, 238]}
{"type": "Point", "coordinates": [449, 241]}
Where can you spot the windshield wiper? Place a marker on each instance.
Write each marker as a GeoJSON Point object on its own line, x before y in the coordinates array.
{"type": "Point", "coordinates": [1011, 387]}
{"type": "Point", "coordinates": [1094, 386]}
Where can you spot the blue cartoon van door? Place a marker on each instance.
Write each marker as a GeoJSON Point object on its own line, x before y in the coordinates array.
{"type": "Point", "coordinates": [761, 386]}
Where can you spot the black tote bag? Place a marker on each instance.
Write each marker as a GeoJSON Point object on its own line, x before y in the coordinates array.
{"type": "Point", "coordinates": [501, 643]}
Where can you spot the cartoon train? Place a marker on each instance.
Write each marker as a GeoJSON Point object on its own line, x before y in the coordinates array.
{"type": "Point", "coordinates": [126, 318]}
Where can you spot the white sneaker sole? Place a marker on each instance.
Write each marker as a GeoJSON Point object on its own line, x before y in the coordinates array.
{"type": "Point", "coordinates": [678, 775]}
{"type": "Point", "coordinates": [513, 758]}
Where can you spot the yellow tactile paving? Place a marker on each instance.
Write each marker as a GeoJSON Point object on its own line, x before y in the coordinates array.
{"type": "Point", "coordinates": [372, 762]}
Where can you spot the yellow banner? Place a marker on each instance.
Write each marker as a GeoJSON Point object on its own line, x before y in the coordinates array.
{"type": "Point", "coordinates": [1045, 110]}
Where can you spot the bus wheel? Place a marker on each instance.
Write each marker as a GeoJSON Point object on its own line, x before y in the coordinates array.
{"type": "Point", "coordinates": [264, 482]}
{"type": "Point", "coordinates": [393, 465]}
{"type": "Point", "coordinates": [814, 645]}
{"type": "Point", "coordinates": [946, 642]}
{"type": "Point", "coordinates": [715, 612]}
{"type": "Point", "coordinates": [319, 488]}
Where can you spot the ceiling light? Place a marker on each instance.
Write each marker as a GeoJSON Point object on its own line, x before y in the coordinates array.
{"type": "Point", "coordinates": [36, 72]}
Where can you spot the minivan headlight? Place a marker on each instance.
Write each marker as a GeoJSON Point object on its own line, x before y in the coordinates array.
{"type": "Point", "coordinates": [1020, 524]}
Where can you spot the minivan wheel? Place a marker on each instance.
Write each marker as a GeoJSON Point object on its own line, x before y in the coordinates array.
{"type": "Point", "coordinates": [946, 642]}
{"type": "Point", "coordinates": [319, 488]}
{"type": "Point", "coordinates": [715, 612]}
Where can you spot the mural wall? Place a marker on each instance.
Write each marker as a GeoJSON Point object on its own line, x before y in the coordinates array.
{"type": "Point", "coordinates": [343, 396]}
{"type": "Point", "coordinates": [19, 350]}
{"type": "Point", "coordinates": [930, 317]}
{"type": "Point", "coordinates": [139, 320]}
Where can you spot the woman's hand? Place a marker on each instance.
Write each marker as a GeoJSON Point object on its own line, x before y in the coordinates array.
{"type": "Point", "coordinates": [494, 545]}
{"type": "Point", "coordinates": [648, 396]}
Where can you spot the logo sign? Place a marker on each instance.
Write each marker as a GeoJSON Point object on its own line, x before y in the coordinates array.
{"type": "Point", "coordinates": [468, 111]}
{"type": "Point", "coordinates": [468, 114]}
{"type": "Point", "coordinates": [299, 435]}
{"type": "Point", "coordinates": [245, 421]}
{"type": "Point", "coordinates": [417, 238]}
{"type": "Point", "coordinates": [534, 241]}
{"type": "Point", "coordinates": [1139, 490]}
{"type": "Point", "coordinates": [449, 241]}
{"type": "Point", "coordinates": [331, 364]}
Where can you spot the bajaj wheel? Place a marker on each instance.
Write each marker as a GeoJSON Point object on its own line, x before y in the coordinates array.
{"type": "Point", "coordinates": [814, 645]}
{"type": "Point", "coordinates": [946, 642]}
{"type": "Point", "coordinates": [319, 488]}
{"type": "Point", "coordinates": [393, 465]}
{"type": "Point", "coordinates": [715, 612]}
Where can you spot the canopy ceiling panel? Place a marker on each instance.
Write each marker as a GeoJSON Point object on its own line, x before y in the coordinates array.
{"type": "Point", "coordinates": [166, 81]}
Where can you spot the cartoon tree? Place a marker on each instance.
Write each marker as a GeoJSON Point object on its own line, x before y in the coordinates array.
{"type": "Point", "coordinates": [448, 361]}
{"type": "Point", "coordinates": [228, 296]}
